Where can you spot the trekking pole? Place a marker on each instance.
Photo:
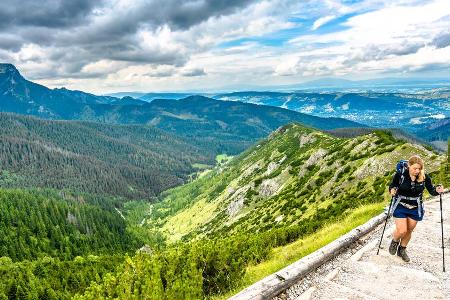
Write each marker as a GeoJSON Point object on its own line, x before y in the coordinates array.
{"type": "Point", "coordinates": [387, 217]}
{"type": "Point", "coordinates": [442, 234]}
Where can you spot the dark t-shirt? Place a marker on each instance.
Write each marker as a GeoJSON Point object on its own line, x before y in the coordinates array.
{"type": "Point", "coordinates": [411, 188]}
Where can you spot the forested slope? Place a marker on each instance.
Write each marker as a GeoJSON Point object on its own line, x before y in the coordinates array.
{"type": "Point", "coordinates": [134, 161]}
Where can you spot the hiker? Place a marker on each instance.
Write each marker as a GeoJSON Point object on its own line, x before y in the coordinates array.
{"type": "Point", "coordinates": [407, 189]}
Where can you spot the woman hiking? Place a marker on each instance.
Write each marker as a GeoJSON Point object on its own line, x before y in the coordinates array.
{"type": "Point", "coordinates": [407, 189]}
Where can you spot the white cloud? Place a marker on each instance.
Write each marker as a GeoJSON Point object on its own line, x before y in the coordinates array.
{"type": "Point", "coordinates": [103, 66]}
{"type": "Point", "coordinates": [383, 37]}
{"type": "Point", "coordinates": [322, 21]}
{"type": "Point", "coordinates": [393, 38]}
{"type": "Point", "coordinates": [193, 48]}
{"type": "Point", "coordinates": [289, 66]}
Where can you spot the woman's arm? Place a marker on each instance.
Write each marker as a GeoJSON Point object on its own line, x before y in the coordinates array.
{"type": "Point", "coordinates": [394, 184]}
{"type": "Point", "coordinates": [429, 185]}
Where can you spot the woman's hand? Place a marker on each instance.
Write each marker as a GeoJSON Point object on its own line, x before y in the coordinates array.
{"type": "Point", "coordinates": [439, 189]}
{"type": "Point", "coordinates": [393, 191]}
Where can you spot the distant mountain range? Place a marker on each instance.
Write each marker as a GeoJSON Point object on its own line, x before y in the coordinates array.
{"type": "Point", "coordinates": [329, 84]}
{"type": "Point", "coordinates": [412, 112]}
{"type": "Point", "coordinates": [338, 83]}
{"type": "Point", "coordinates": [223, 126]}
{"type": "Point", "coordinates": [415, 112]}
{"type": "Point", "coordinates": [385, 85]}
{"type": "Point", "coordinates": [411, 104]}
{"type": "Point", "coordinates": [149, 97]}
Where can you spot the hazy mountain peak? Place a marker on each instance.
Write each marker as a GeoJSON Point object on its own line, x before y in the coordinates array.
{"type": "Point", "coordinates": [10, 72]}
{"type": "Point", "coordinates": [196, 98]}
{"type": "Point", "coordinates": [5, 67]}
{"type": "Point", "coordinates": [129, 98]}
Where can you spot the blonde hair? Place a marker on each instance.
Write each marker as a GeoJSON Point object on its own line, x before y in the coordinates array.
{"type": "Point", "coordinates": [415, 159]}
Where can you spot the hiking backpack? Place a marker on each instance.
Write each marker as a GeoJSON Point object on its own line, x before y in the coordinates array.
{"type": "Point", "coordinates": [402, 165]}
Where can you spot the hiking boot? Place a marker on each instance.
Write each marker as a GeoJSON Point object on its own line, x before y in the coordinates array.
{"type": "Point", "coordinates": [402, 253]}
{"type": "Point", "coordinates": [393, 247]}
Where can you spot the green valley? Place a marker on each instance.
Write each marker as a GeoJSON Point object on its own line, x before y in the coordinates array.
{"type": "Point", "coordinates": [94, 210]}
{"type": "Point", "coordinates": [177, 150]}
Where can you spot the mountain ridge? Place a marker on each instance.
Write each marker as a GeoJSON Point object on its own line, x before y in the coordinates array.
{"type": "Point", "coordinates": [296, 169]}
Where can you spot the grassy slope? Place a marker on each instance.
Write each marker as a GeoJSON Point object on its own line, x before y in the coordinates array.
{"type": "Point", "coordinates": [283, 256]}
{"type": "Point", "coordinates": [311, 173]}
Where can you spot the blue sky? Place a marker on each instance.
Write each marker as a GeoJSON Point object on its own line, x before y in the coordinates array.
{"type": "Point", "coordinates": [204, 45]}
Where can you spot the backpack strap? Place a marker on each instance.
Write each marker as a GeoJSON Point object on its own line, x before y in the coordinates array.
{"type": "Point", "coordinates": [396, 202]}
{"type": "Point", "coordinates": [401, 168]}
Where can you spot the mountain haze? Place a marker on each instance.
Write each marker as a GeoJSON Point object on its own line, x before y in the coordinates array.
{"type": "Point", "coordinates": [339, 83]}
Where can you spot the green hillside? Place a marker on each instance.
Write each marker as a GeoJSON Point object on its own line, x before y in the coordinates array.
{"type": "Point", "coordinates": [134, 161]}
{"type": "Point", "coordinates": [297, 176]}
{"type": "Point", "coordinates": [55, 244]}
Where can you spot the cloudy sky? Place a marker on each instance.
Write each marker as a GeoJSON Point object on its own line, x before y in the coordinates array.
{"type": "Point", "coordinates": [169, 45]}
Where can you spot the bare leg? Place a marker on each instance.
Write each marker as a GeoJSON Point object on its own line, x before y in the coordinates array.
{"type": "Point", "coordinates": [401, 227]}
{"type": "Point", "coordinates": [410, 225]}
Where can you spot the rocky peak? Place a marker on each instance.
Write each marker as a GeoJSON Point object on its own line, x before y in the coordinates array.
{"type": "Point", "coordinates": [10, 74]}
{"type": "Point", "coordinates": [8, 69]}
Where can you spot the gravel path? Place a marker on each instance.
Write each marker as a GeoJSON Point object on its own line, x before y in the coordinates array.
{"type": "Point", "coordinates": [347, 275]}
{"type": "Point", "coordinates": [317, 275]}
